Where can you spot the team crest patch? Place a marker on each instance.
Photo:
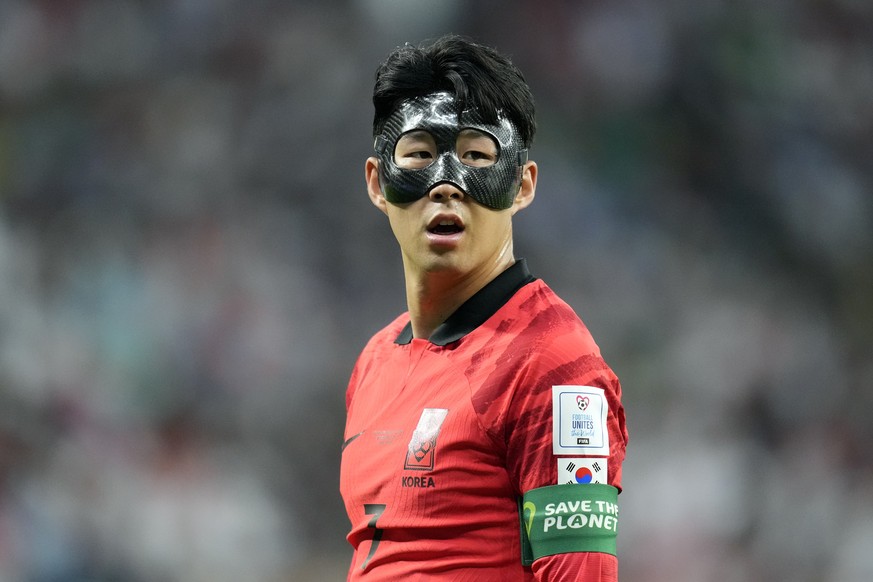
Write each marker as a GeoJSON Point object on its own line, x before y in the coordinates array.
{"type": "Point", "coordinates": [422, 446]}
{"type": "Point", "coordinates": [579, 421]}
{"type": "Point", "coordinates": [581, 471]}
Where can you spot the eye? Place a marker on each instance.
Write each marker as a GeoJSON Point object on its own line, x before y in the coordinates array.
{"type": "Point", "coordinates": [476, 158]}
{"type": "Point", "coordinates": [415, 150]}
{"type": "Point", "coordinates": [476, 149]}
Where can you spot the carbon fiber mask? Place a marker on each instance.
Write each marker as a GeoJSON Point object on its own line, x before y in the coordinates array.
{"type": "Point", "coordinates": [494, 186]}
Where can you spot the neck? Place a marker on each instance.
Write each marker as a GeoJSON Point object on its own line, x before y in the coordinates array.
{"type": "Point", "coordinates": [432, 297]}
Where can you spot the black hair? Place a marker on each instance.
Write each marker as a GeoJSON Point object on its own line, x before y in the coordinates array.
{"type": "Point", "coordinates": [478, 76]}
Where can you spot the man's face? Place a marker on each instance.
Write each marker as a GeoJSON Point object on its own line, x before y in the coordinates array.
{"type": "Point", "coordinates": [444, 228]}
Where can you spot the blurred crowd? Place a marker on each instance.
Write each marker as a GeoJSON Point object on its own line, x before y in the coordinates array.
{"type": "Point", "coordinates": [189, 265]}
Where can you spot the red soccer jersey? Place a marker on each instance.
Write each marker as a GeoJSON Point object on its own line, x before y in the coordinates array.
{"type": "Point", "coordinates": [444, 435]}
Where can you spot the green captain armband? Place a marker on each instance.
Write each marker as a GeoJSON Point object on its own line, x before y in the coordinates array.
{"type": "Point", "coordinates": [568, 518]}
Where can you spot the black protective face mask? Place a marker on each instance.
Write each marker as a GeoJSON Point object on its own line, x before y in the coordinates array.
{"type": "Point", "coordinates": [494, 186]}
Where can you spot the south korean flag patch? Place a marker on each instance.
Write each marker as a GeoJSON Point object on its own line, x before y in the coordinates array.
{"type": "Point", "coordinates": [581, 471]}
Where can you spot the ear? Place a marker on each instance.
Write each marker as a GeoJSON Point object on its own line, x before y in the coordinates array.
{"type": "Point", "coordinates": [527, 189]}
{"type": "Point", "coordinates": [374, 189]}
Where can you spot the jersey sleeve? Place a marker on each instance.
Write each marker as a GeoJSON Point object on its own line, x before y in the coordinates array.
{"type": "Point", "coordinates": [529, 435]}
{"type": "Point", "coordinates": [529, 422]}
{"type": "Point", "coordinates": [581, 566]}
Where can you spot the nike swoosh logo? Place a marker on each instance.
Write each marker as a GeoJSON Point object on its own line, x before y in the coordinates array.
{"type": "Point", "coordinates": [349, 440]}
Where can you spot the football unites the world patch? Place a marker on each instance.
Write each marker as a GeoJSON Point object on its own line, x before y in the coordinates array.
{"type": "Point", "coordinates": [581, 471]}
{"type": "Point", "coordinates": [579, 421]}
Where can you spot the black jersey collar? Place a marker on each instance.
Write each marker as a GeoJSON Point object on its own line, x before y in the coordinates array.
{"type": "Point", "coordinates": [478, 308]}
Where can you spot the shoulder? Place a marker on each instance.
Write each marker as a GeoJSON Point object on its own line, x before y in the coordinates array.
{"type": "Point", "coordinates": [385, 337]}
{"type": "Point", "coordinates": [558, 348]}
{"type": "Point", "coordinates": [549, 322]}
{"type": "Point", "coordinates": [376, 352]}
{"type": "Point", "coordinates": [379, 346]}
{"type": "Point", "coordinates": [534, 341]}
{"type": "Point", "coordinates": [390, 332]}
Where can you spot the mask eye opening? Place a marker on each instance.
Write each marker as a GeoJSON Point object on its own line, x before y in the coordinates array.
{"type": "Point", "coordinates": [415, 149]}
{"type": "Point", "coordinates": [483, 157]}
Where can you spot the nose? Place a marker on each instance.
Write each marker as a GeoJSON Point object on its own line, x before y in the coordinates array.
{"type": "Point", "coordinates": [444, 192]}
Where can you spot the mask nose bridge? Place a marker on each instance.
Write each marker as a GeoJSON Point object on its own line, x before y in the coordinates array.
{"type": "Point", "coordinates": [447, 169]}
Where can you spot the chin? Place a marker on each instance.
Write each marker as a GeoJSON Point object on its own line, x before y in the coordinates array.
{"type": "Point", "coordinates": [443, 263]}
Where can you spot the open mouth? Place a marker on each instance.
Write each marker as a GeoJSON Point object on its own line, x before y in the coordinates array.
{"type": "Point", "coordinates": [446, 227]}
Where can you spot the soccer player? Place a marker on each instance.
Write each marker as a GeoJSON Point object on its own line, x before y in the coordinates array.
{"type": "Point", "coordinates": [485, 433]}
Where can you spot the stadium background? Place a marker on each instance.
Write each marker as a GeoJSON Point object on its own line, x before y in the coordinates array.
{"type": "Point", "coordinates": [189, 265]}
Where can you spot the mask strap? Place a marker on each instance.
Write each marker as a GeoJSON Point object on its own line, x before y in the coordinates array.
{"type": "Point", "coordinates": [381, 144]}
